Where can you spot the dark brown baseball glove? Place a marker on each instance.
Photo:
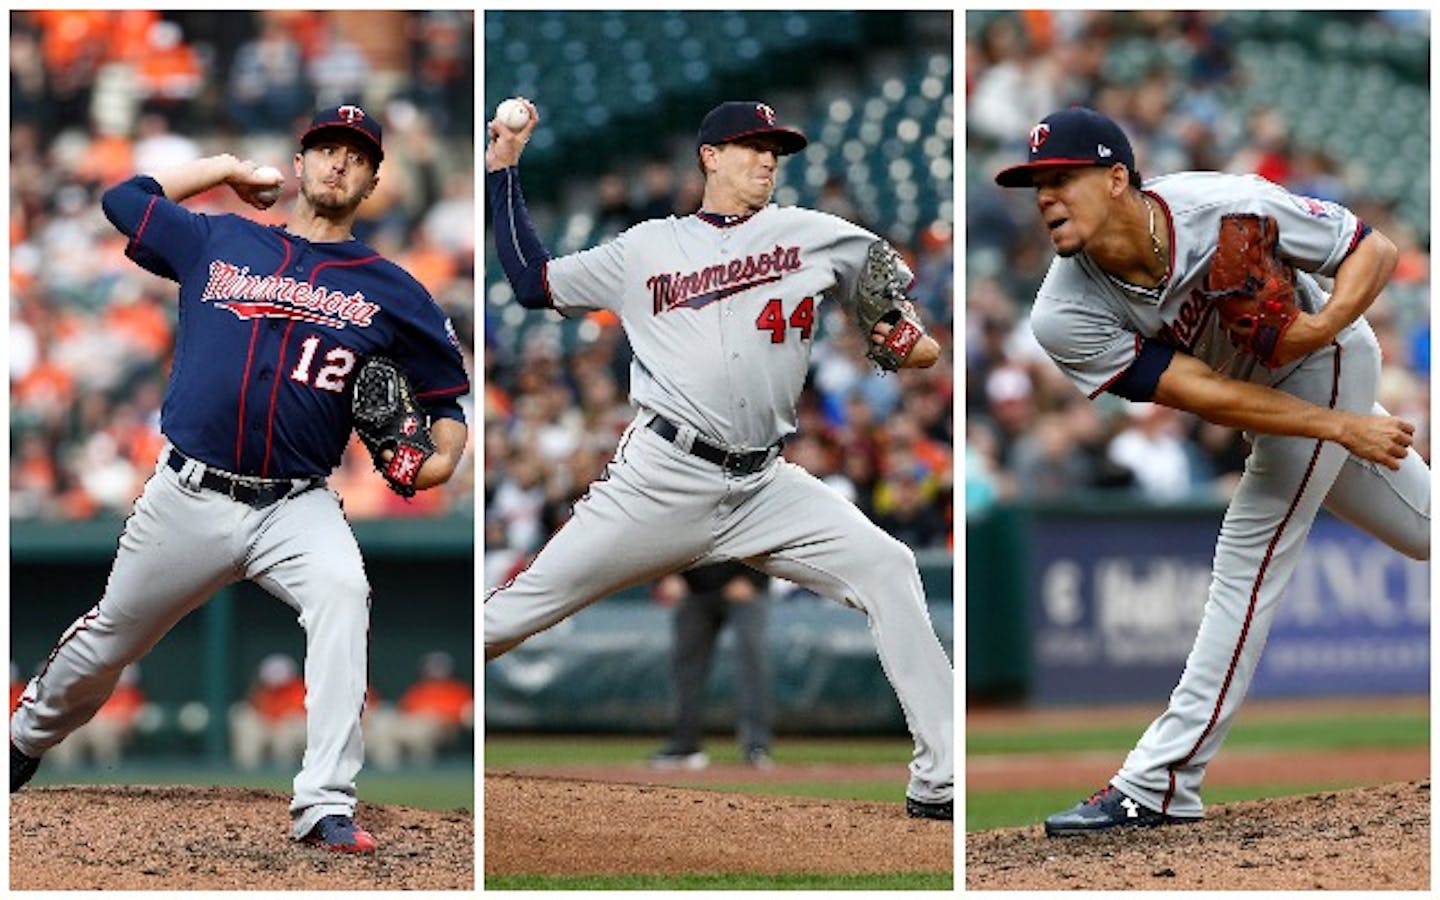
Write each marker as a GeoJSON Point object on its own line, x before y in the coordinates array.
{"type": "Point", "coordinates": [1252, 289]}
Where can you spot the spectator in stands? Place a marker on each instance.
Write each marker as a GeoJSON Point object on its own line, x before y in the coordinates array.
{"type": "Point", "coordinates": [267, 83]}
{"type": "Point", "coordinates": [430, 716]}
{"type": "Point", "coordinates": [269, 724]}
{"type": "Point", "coordinates": [705, 599]}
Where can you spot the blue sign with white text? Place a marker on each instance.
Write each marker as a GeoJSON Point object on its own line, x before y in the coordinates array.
{"type": "Point", "coordinates": [1115, 605]}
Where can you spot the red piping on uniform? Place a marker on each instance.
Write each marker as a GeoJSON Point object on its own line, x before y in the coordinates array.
{"type": "Point", "coordinates": [250, 358]}
{"type": "Point", "coordinates": [1254, 597]}
{"type": "Point", "coordinates": [341, 263]}
{"type": "Point", "coordinates": [244, 389]}
{"type": "Point", "coordinates": [144, 221]}
{"type": "Point", "coordinates": [442, 392]}
{"type": "Point", "coordinates": [1121, 374]}
{"type": "Point", "coordinates": [1355, 240]}
{"type": "Point", "coordinates": [65, 639]}
{"type": "Point", "coordinates": [545, 283]}
{"type": "Point", "coordinates": [274, 393]}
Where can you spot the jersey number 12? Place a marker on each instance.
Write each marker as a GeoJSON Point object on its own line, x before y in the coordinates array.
{"type": "Point", "coordinates": [331, 377]}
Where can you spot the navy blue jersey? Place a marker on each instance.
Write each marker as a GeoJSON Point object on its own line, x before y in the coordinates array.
{"type": "Point", "coordinates": [272, 328]}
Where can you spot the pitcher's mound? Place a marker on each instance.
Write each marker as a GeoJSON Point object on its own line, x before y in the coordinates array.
{"type": "Point", "coordinates": [1365, 839]}
{"type": "Point", "coordinates": [207, 838]}
{"type": "Point", "coordinates": [562, 826]}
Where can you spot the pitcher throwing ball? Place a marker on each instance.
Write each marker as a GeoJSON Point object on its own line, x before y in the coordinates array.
{"type": "Point", "coordinates": [1194, 290]}
{"type": "Point", "coordinates": [720, 308]}
{"type": "Point", "coordinates": [275, 326]}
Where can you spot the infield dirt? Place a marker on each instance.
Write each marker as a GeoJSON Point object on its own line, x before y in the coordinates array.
{"type": "Point", "coordinates": [1364, 839]}
{"type": "Point", "coordinates": [566, 826]}
{"type": "Point", "coordinates": [214, 839]}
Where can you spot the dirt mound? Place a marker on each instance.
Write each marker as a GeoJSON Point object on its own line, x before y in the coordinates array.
{"type": "Point", "coordinates": [1366, 839]}
{"type": "Point", "coordinates": [191, 838]}
{"type": "Point", "coordinates": [561, 826]}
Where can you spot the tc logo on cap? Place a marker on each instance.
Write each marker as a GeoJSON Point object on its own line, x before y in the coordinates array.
{"type": "Point", "coordinates": [351, 114]}
{"type": "Point", "coordinates": [765, 113]}
{"type": "Point", "coordinates": [1038, 134]}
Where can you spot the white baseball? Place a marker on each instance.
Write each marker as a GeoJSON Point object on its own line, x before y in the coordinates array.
{"type": "Point", "coordinates": [272, 174]}
{"type": "Point", "coordinates": [512, 113]}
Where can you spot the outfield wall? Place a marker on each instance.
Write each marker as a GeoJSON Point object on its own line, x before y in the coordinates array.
{"type": "Point", "coordinates": [607, 668]}
{"type": "Point", "coordinates": [1102, 602]}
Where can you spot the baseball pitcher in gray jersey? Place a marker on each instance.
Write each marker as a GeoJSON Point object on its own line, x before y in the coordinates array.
{"type": "Point", "coordinates": [720, 308]}
{"type": "Point", "coordinates": [1127, 309]}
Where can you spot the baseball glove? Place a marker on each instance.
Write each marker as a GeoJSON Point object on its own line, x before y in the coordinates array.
{"type": "Point", "coordinates": [1252, 290]}
{"type": "Point", "coordinates": [880, 297]}
{"type": "Point", "coordinates": [387, 417]}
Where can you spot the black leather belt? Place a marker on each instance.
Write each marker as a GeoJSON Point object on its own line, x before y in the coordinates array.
{"type": "Point", "coordinates": [256, 492]}
{"type": "Point", "coordinates": [744, 463]}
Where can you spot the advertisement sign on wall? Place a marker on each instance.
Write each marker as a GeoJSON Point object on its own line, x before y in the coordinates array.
{"type": "Point", "coordinates": [1115, 605]}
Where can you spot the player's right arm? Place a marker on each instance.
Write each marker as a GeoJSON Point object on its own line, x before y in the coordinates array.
{"type": "Point", "coordinates": [1189, 384]}
{"type": "Point", "coordinates": [184, 181]}
{"type": "Point", "coordinates": [522, 256]}
{"type": "Point", "coordinates": [164, 237]}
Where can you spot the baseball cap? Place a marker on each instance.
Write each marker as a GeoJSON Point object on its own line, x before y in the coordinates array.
{"type": "Point", "coordinates": [347, 117]}
{"type": "Point", "coordinates": [1071, 137]}
{"type": "Point", "coordinates": [736, 119]}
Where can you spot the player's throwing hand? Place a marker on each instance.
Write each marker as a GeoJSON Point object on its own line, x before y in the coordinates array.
{"type": "Point", "coordinates": [506, 144]}
{"type": "Point", "coordinates": [257, 185]}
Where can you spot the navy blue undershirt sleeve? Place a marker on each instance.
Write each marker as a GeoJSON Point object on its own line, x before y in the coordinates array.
{"type": "Point", "coordinates": [522, 256]}
{"type": "Point", "coordinates": [1139, 382]}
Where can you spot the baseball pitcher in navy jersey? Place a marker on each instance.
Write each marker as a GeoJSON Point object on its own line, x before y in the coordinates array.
{"type": "Point", "coordinates": [273, 322]}
{"type": "Point", "coordinates": [720, 309]}
{"type": "Point", "coordinates": [1125, 309]}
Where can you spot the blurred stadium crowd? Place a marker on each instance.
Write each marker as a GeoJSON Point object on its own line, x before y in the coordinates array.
{"type": "Point", "coordinates": [620, 97]}
{"type": "Point", "coordinates": [98, 95]}
{"type": "Point", "coordinates": [1328, 104]}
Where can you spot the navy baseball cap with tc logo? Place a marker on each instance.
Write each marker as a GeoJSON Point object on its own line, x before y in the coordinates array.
{"type": "Point", "coordinates": [1071, 137]}
{"type": "Point", "coordinates": [736, 119]}
{"type": "Point", "coordinates": [346, 117]}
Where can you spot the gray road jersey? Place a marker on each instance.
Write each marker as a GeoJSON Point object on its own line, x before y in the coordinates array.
{"type": "Point", "coordinates": [720, 317]}
{"type": "Point", "coordinates": [1090, 323]}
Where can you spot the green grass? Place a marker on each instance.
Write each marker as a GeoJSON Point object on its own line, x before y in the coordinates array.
{"type": "Point", "coordinates": [445, 787]}
{"type": "Point", "coordinates": [1320, 732]}
{"type": "Point", "coordinates": [986, 810]}
{"type": "Point", "coordinates": [917, 881]}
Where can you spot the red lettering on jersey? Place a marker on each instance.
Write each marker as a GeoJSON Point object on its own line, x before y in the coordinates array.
{"type": "Point", "coordinates": [281, 297]}
{"type": "Point", "coordinates": [696, 289]}
{"type": "Point", "coordinates": [1184, 329]}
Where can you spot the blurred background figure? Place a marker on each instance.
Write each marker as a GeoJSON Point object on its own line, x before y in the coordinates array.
{"type": "Point", "coordinates": [102, 740]}
{"type": "Point", "coordinates": [429, 717]}
{"type": "Point", "coordinates": [268, 726]}
{"type": "Point", "coordinates": [705, 599]}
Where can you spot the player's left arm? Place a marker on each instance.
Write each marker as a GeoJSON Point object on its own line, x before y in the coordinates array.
{"type": "Point", "coordinates": [1358, 281]}
{"type": "Point", "coordinates": [450, 437]}
{"type": "Point", "coordinates": [925, 354]}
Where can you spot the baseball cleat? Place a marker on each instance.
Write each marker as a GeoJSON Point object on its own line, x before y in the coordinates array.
{"type": "Point", "coordinates": [759, 758]}
{"type": "Point", "coordinates": [1108, 808]}
{"type": "Point", "coordinates": [341, 834]}
{"type": "Point", "coordinates": [927, 809]}
{"type": "Point", "coordinates": [689, 760]}
{"type": "Point", "coordinates": [22, 768]}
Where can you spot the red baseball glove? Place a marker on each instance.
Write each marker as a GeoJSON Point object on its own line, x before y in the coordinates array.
{"type": "Point", "coordinates": [1252, 289]}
